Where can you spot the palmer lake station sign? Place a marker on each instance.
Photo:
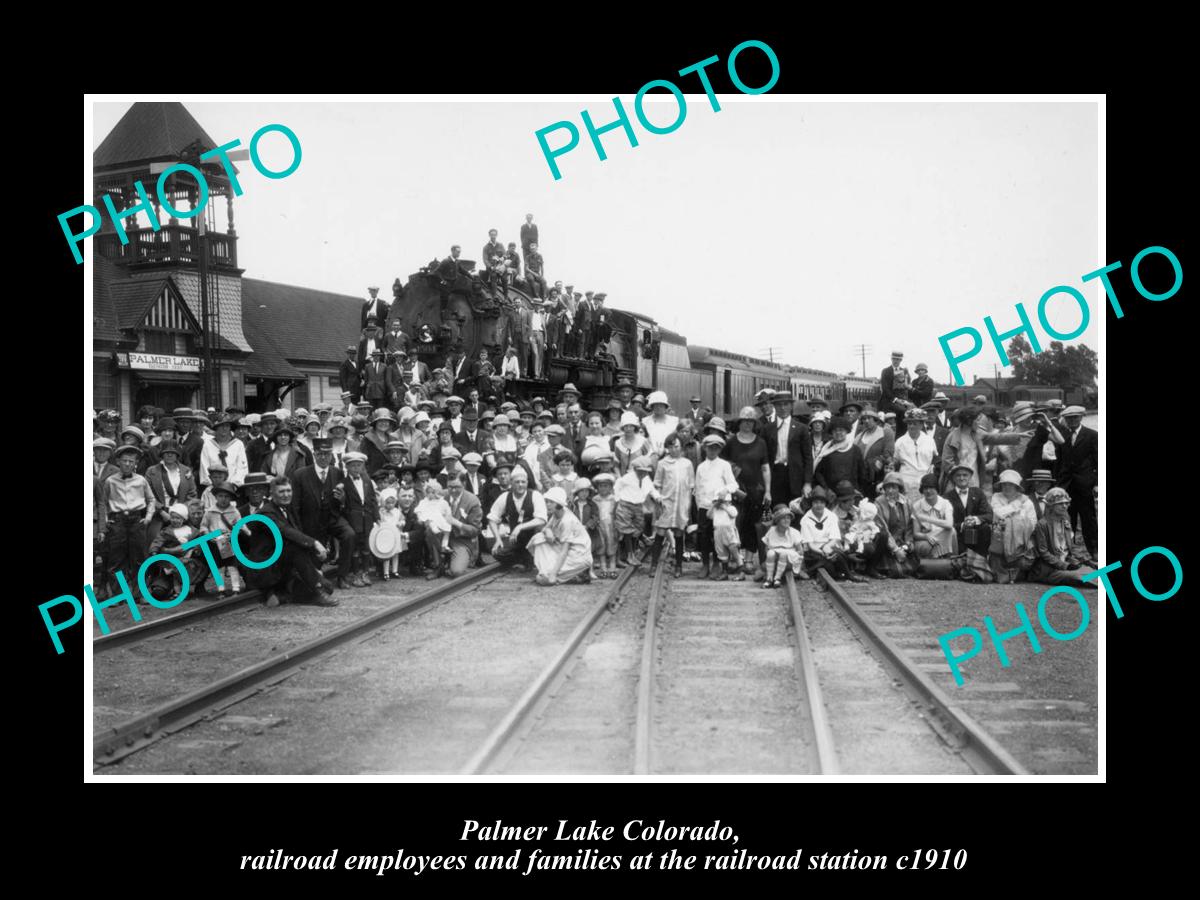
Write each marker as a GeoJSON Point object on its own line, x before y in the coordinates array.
{"type": "Point", "coordinates": [158, 362]}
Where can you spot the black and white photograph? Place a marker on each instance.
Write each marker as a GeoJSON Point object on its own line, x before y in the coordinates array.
{"type": "Point", "coordinates": [528, 437]}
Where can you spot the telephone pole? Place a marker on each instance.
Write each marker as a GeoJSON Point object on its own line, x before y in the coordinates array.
{"type": "Point", "coordinates": [771, 351]}
{"type": "Point", "coordinates": [863, 350]}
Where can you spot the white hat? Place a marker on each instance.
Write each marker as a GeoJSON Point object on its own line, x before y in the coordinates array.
{"type": "Point", "coordinates": [354, 456]}
{"type": "Point", "coordinates": [251, 419]}
{"type": "Point", "coordinates": [1073, 411]}
{"type": "Point", "coordinates": [179, 509]}
{"type": "Point", "coordinates": [1009, 476]}
{"type": "Point", "coordinates": [556, 495]}
{"type": "Point", "coordinates": [630, 418]}
{"type": "Point", "coordinates": [658, 397]}
{"type": "Point", "coordinates": [472, 459]}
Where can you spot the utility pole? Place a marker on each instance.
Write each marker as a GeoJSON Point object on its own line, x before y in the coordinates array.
{"type": "Point", "coordinates": [770, 351]}
{"type": "Point", "coordinates": [863, 350]}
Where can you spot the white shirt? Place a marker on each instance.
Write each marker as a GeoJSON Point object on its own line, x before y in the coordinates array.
{"type": "Point", "coordinates": [321, 473]}
{"type": "Point", "coordinates": [818, 539]}
{"type": "Point", "coordinates": [235, 460]}
{"type": "Point", "coordinates": [712, 477]}
{"type": "Point", "coordinates": [915, 457]}
{"type": "Point", "coordinates": [537, 322]}
{"type": "Point", "coordinates": [358, 486]}
{"type": "Point", "coordinates": [173, 478]}
{"type": "Point", "coordinates": [658, 431]}
{"type": "Point", "coordinates": [783, 429]}
{"type": "Point", "coordinates": [497, 510]}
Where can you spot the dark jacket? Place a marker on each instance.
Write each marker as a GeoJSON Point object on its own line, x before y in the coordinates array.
{"type": "Point", "coordinates": [361, 513]}
{"type": "Point", "coordinates": [157, 477]}
{"type": "Point", "coordinates": [377, 308]}
{"type": "Point", "coordinates": [348, 376]}
{"type": "Point", "coordinates": [374, 381]}
{"type": "Point", "coordinates": [529, 235]}
{"type": "Point", "coordinates": [799, 454]}
{"type": "Point", "coordinates": [842, 466]}
{"type": "Point", "coordinates": [977, 505]}
{"type": "Point", "coordinates": [393, 379]}
{"type": "Point", "coordinates": [1078, 460]}
{"type": "Point", "coordinates": [315, 506]}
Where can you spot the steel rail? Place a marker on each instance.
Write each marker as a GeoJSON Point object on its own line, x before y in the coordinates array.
{"type": "Point", "coordinates": [979, 749]}
{"type": "Point", "coordinates": [113, 744]}
{"type": "Point", "coordinates": [124, 636]}
{"type": "Point", "coordinates": [644, 734]}
{"type": "Point", "coordinates": [806, 669]}
{"type": "Point", "coordinates": [547, 680]}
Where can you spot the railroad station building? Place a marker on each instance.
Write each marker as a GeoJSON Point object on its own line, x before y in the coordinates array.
{"type": "Point", "coordinates": [271, 344]}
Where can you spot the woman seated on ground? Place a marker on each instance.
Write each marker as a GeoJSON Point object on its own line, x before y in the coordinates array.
{"type": "Point", "coordinates": [895, 548]}
{"type": "Point", "coordinates": [562, 550]}
{"type": "Point", "coordinates": [1056, 561]}
{"type": "Point", "coordinates": [1013, 521]}
{"type": "Point", "coordinates": [933, 522]}
{"type": "Point", "coordinates": [821, 541]}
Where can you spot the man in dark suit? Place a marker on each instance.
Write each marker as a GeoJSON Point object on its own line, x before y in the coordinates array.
{"type": "Point", "coordinates": [576, 436]}
{"type": "Point", "coordinates": [585, 314]}
{"type": "Point", "coordinates": [535, 265]}
{"type": "Point", "coordinates": [529, 233]}
{"type": "Point", "coordinates": [299, 557]}
{"type": "Point", "coordinates": [1078, 471]}
{"type": "Point", "coordinates": [374, 380]}
{"type": "Point", "coordinates": [374, 308]}
{"type": "Point", "coordinates": [348, 373]}
{"type": "Point", "coordinates": [894, 382]}
{"type": "Point", "coordinates": [449, 269]}
{"type": "Point", "coordinates": [393, 379]}
{"type": "Point", "coordinates": [317, 509]}
{"type": "Point", "coordinates": [971, 509]}
{"type": "Point", "coordinates": [466, 522]}
{"type": "Point", "coordinates": [789, 447]}
{"type": "Point", "coordinates": [356, 495]}
{"type": "Point", "coordinates": [261, 446]}
{"type": "Point", "coordinates": [470, 438]}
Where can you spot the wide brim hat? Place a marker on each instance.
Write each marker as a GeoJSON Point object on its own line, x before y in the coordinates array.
{"type": "Point", "coordinates": [169, 447]}
{"type": "Point", "coordinates": [818, 493]}
{"type": "Point", "coordinates": [915, 415]}
{"type": "Point", "coordinates": [657, 398]}
{"type": "Point", "coordinates": [383, 414]}
{"type": "Point", "coordinates": [852, 404]}
{"type": "Point", "coordinates": [940, 397]}
{"type": "Point", "coordinates": [716, 423]}
{"type": "Point", "coordinates": [630, 419]}
{"type": "Point", "coordinates": [256, 479]}
{"type": "Point", "coordinates": [421, 418]}
{"type": "Point", "coordinates": [569, 388]}
{"type": "Point", "coordinates": [870, 412]}
{"type": "Point", "coordinates": [929, 481]}
{"type": "Point", "coordinates": [839, 422]}
{"type": "Point", "coordinates": [338, 422]}
{"type": "Point", "coordinates": [892, 478]}
{"type": "Point", "coordinates": [1056, 496]}
{"type": "Point", "coordinates": [164, 423]}
{"type": "Point", "coordinates": [500, 419]}
{"type": "Point", "coordinates": [384, 542]}
{"type": "Point", "coordinates": [251, 419]}
{"type": "Point", "coordinates": [127, 448]}
{"type": "Point", "coordinates": [285, 428]}
{"type": "Point", "coordinates": [614, 403]}
{"type": "Point", "coordinates": [582, 484]}
{"type": "Point", "coordinates": [445, 425]}
{"type": "Point", "coordinates": [556, 495]}
{"type": "Point", "coordinates": [470, 414]}
{"type": "Point", "coordinates": [1040, 475]}
{"type": "Point", "coordinates": [783, 397]}
{"type": "Point", "coordinates": [135, 431]}
{"type": "Point", "coordinates": [182, 413]}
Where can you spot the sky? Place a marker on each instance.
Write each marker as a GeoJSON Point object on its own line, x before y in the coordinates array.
{"type": "Point", "coordinates": [807, 227]}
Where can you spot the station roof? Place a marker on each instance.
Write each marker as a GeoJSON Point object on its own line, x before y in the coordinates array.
{"type": "Point", "coordinates": [150, 131]}
{"type": "Point", "coordinates": [304, 324]}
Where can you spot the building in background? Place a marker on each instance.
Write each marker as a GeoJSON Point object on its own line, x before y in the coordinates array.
{"type": "Point", "coordinates": [271, 344]}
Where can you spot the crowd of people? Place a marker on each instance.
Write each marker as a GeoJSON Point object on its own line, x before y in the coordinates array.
{"type": "Point", "coordinates": [427, 485]}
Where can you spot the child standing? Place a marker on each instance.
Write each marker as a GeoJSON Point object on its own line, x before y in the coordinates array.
{"type": "Point", "coordinates": [606, 526]}
{"type": "Point", "coordinates": [564, 476]}
{"type": "Point", "coordinates": [391, 517]}
{"type": "Point", "coordinates": [586, 512]}
{"type": "Point", "coordinates": [220, 475]}
{"type": "Point", "coordinates": [673, 483]}
{"type": "Point", "coordinates": [632, 491]}
{"type": "Point", "coordinates": [223, 517]}
{"type": "Point", "coordinates": [726, 543]}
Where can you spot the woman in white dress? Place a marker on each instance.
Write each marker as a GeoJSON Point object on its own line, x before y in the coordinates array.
{"type": "Point", "coordinates": [658, 424]}
{"type": "Point", "coordinates": [933, 522]}
{"type": "Point", "coordinates": [562, 550]}
{"type": "Point", "coordinates": [915, 452]}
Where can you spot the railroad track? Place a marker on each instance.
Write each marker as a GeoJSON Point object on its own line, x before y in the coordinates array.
{"type": "Point", "coordinates": [112, 744]}
{"type": "Point", "coordinates": [799, 694]}
{"type": "Point", "coordinates": [124, 637]}
{"type": "Point", "coordinates": [962, 733]}
{"type": "Point", "coordinates": [501, 741]}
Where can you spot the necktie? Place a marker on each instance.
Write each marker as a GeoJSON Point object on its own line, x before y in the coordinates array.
{"type": "Point", "coordinates": [222, 455]}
